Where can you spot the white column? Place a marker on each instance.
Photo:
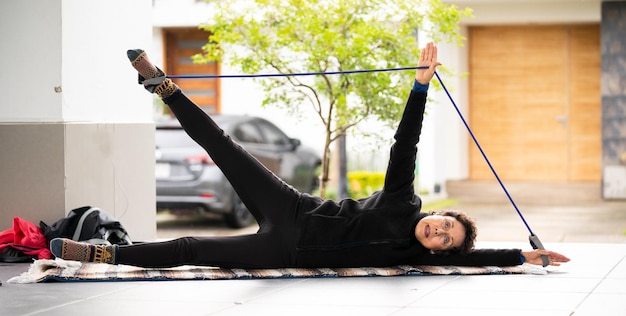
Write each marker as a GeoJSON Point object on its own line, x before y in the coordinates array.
{"type": "Point", "coordinates": [75, 128]}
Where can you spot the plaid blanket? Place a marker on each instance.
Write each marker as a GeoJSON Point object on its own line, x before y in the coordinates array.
{"type": "Point", "coordinates": [61, 270]}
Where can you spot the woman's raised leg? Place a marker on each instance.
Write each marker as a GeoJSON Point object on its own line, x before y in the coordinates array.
{"type": "Point", "coordinates": [266, 196]}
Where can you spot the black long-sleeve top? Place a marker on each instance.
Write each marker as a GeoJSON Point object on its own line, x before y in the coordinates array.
{"type": "Point", "coordinates": [378, 231]}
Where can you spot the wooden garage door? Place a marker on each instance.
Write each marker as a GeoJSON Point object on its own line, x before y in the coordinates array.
{"type": "Point", "coordinates": [180, 45]}
{"type": "Point", "coordinates": [535, 102]}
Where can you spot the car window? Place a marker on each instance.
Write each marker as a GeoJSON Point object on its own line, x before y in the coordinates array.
{"type": "Point", "coordinates": [272, 134]}
{"type": "Point", "coordinates": [248, 133]}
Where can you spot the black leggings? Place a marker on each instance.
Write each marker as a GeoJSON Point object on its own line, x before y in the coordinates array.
{"type": "Point", "coordinates": [272, 202]}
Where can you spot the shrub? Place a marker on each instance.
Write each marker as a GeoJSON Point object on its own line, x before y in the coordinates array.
{"type": "Point", "coordinates": [363, 183]}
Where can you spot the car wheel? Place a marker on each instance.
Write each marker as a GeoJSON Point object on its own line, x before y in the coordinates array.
{"type": "Point", "coordinates": [239, 216]}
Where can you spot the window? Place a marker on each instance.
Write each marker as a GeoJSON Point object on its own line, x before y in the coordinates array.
{"type": "Point", "coordinates": [248, 133]}
{"type": "Point", "coordinates": [272, 134]}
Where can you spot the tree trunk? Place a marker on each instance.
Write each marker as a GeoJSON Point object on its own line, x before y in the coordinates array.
{"type": "Point", "coordinates": [343, 168]}
{"type": "Point", "coordinates": [325, 167]}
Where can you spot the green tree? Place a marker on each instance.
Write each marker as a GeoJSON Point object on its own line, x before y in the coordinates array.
{"type": "Point", "coordinates": [299, 36]}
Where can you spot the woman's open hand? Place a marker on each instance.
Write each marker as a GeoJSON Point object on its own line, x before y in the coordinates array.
{"type": "Point", "coordinates": [428, 57]}
{"type": "Point", "coordinates": [554, 258]}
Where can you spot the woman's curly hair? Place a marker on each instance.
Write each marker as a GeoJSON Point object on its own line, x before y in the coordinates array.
{"type": "Point", "coordinates": [470, 229]}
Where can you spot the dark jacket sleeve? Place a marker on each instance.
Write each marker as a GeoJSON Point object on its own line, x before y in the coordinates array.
{"type": "Point", "coordinates": [477, 258]}
{"type": "Point", "coordinates": [401, 169]}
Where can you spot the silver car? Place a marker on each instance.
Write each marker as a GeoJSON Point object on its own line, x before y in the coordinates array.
{"type": "Point", "coordinates": [187, 178]}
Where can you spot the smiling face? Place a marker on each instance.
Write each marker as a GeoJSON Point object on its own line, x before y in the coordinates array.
{"type": "Point", "coordinates": [440, 233]}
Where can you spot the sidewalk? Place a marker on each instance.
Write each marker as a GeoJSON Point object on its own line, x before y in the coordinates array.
{"type": "Point", "coordinates": [570, 212]}
{"type": "Point", "coordinates": [601, 222]}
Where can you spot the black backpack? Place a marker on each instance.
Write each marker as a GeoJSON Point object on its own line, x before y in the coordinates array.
{"type": "Point", "coordinates": [88, 224]}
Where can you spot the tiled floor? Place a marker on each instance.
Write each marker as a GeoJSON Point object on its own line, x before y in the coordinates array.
{"type": "Point", "coordinates": [593, 283]}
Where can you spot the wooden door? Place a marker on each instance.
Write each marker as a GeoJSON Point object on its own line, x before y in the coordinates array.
{"type": "Point", "coordinates": [535, 102]}
{"type": "Point", "coordinates": [180, 45]}
{"type": "Point", "coordinates": [585, 102]}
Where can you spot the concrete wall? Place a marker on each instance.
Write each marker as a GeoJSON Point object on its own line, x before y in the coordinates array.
{"type": "Point", "coordinates": [75, 128]}
{"type": "Point", "coordinates": [488, 12]}
{"type": "Point", "coordinates": [613, 29]}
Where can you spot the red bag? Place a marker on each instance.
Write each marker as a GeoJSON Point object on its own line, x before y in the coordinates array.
{"type": "Point", "coordinates": [27, 238]}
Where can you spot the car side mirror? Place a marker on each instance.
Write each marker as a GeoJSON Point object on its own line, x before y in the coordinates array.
{"type": "Point", "coordinates": [295, 143]}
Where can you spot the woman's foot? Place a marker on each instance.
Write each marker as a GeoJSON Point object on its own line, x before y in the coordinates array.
{"type": "Point", "coordinates": [68, 249]}
{"type": "Point", "coordinates": [152, 78]}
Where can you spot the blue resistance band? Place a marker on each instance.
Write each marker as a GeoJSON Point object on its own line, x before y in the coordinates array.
{"type": "Point", "coordinates": [534, 239]}
{"type": "Point", "coordinates": [294, 74]}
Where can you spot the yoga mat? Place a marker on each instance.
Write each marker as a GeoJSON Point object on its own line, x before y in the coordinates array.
{"type": "Point", "coordinates": [59, 270]}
